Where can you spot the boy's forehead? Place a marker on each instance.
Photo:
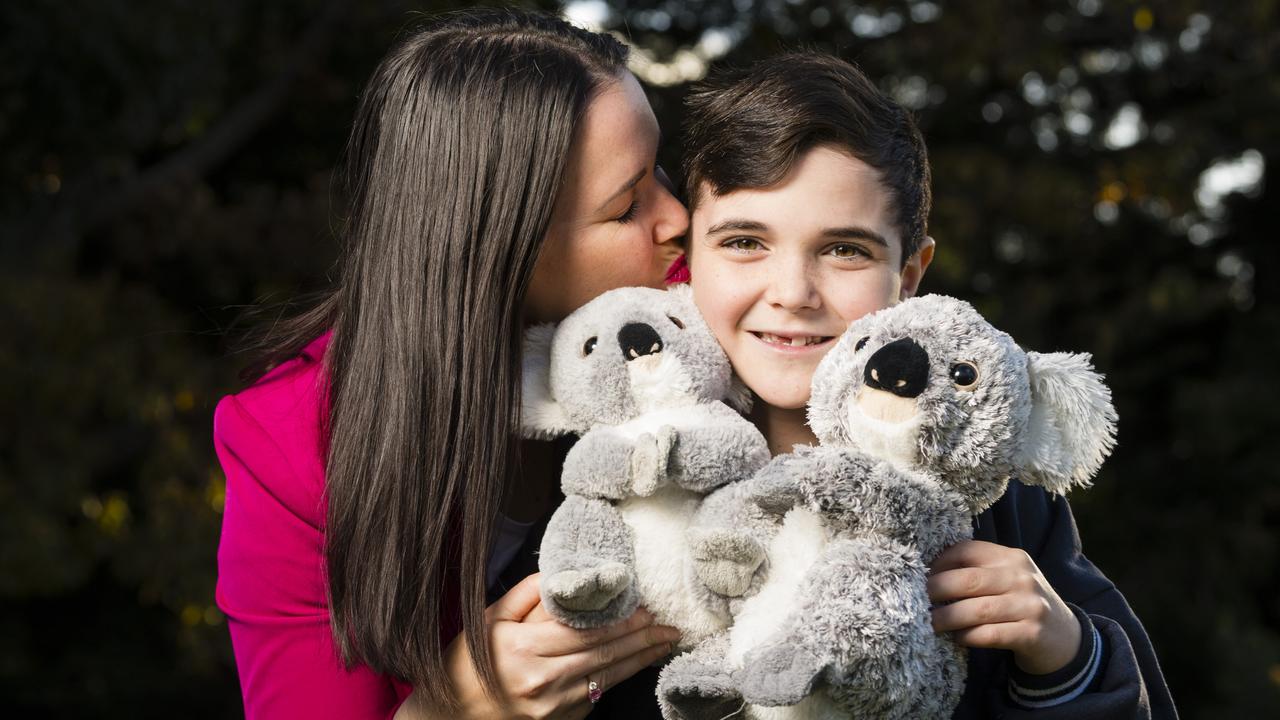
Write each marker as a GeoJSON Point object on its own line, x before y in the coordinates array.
{"type": "Point", "coordinates": [826, 189]}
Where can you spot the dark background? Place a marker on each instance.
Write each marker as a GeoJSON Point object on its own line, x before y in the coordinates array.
{"type": "Point", "coordinates": [1100, 180]}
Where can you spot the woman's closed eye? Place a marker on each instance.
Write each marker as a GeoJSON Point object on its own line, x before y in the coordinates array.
{"type": "Point", "coordinates": [630, 214]}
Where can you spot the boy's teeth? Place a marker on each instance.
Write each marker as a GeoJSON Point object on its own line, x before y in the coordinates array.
{"type": "Point", "coordinates": [793, 341]}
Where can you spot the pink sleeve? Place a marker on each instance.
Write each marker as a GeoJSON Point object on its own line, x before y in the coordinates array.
{"type": "Point", "coordinates": [270, 569]}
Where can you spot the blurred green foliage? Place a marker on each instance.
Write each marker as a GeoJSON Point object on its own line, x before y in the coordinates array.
{"type": "Point", "coordinates": [1100, 184]}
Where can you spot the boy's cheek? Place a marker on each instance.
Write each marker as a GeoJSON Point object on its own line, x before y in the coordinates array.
{"type": "Point", "coordinates": [712, 306]}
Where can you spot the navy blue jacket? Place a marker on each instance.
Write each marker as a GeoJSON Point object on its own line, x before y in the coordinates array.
{"type": "Point", "coordinates": [1128, 685]}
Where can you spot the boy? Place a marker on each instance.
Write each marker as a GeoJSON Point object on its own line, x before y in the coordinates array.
{"type": "Point", "coordinates": [809, 194]}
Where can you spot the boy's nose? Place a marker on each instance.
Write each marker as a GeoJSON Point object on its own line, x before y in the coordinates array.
{"type": "Point", "coordinates": [637, 340]}
{"type": "Point", "coordinates": [791, 287]}
{"type": "Point", "coordinates": [901, 367]}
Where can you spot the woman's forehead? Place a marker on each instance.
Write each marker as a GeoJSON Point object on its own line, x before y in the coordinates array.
{"type": "Point", "coordinates": [617, 139]}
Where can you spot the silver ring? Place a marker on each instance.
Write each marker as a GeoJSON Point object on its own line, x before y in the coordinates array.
{"type": "Point", "coordinates": [594, 691]}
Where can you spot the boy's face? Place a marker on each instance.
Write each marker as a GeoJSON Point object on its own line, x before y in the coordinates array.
{"type": "Point", "coordinates": [780, 272]}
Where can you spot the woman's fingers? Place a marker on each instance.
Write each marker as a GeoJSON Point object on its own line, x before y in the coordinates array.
{"type": "Point", "coordinates": [538, 614]}
{"type": "Point", "coordinates": [595, 659]}
{"type": "Point", "coordinates": [613, 674]}
{"type": "Point", "coordinates": [516, 603]}
{"type": "Point", "coordinates": [542, 665]}
{"type": "Point", "coordinates": [555, 640]}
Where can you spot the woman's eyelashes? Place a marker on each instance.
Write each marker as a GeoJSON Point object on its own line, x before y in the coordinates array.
{"type": "Point", "coordinates": [630, 214]}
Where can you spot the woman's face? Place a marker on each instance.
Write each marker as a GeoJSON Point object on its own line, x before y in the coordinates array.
{"type": "Point", "coordinates": [615, 223]}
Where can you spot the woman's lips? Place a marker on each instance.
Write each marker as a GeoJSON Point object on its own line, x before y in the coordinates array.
{"type": "Point", "coordinates": [677, 272]}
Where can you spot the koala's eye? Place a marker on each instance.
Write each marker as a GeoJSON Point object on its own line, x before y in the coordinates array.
{"type": "Point", "coordinates": [861, 343]}
{"type": "Point", "coordinates": [964, 375]}
{"type": "Point", "coordinates": [676, 321]}
{"type": "Point", "coordinates": [588, 346]}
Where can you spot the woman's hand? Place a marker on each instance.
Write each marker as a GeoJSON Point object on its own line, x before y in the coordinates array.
{"type": "Point", "coordinates": [995, 597]}
{"type": "Point", "coordinates": [543, 666]}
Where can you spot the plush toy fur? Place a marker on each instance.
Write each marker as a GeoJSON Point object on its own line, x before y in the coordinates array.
{"type": "Point", "coordinates": [923, 411]}
{"type": "Point", "coordinates": [638, 374]}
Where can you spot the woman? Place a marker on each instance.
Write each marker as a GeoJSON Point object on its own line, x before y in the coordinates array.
{"type": "Point", "coordinates": [500, 171]}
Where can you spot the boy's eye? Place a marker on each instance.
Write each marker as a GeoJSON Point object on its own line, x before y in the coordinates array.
{"type": "Point", "coordinates": [743, 244]}
{"type": "Point", "coordinates": [849, 251]}
{"type": "Point", "coordinates": [630, 214]}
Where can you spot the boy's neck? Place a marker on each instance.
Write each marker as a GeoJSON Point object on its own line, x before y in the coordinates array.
{"type": "Point", "coordinates": [783, 428]}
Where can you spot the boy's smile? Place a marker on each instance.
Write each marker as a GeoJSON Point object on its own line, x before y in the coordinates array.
{"type": "Point", "coordinates": [786, 343]}
{"type": "Point", "coordinates": [780, 272]}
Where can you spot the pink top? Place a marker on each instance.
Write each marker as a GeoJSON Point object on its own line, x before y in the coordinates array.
{"type": "Point", "coordinates": [271, 559]}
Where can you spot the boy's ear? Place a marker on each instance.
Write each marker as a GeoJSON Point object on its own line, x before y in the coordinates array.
{"type": "Point", "coordinates": [541, 417]}
{"type": "Point", "coordinates": [1072, 427]}
{"type": "Point", "coordinates": [914, 268]}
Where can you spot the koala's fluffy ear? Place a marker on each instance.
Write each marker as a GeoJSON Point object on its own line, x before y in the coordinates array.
{"type": "Point", "coordinates": [683, 291]}
{"type": "Point", "coordinates": [541, 417]}
{"type": "Point", "coordinates": [1072, 427]}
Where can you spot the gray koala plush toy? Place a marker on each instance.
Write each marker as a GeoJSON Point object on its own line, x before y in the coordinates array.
{"type": "Point", "coordinates": [640, 377]}
{"type": "Point", "coordinates": [923, 412]}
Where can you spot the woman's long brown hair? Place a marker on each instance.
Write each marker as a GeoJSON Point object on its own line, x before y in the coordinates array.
{"type": "Point", "coordinates": [455, 159]}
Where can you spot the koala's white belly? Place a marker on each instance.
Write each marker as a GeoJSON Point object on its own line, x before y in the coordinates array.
{"type": "Point", "coordinates": [797, 545]}
{"type": "Point", "coordinates": [658, 525]}
{"type": "Point", "coordinates": [688, 416]}
{"type": "Point", "coordinates": [815, 707]}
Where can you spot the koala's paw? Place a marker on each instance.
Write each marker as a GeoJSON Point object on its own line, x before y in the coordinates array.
{"type": "Point", "coordinates": [775, 490]}
{"type": "Point", "coordinates": [778, 674]}
{"type": "Point", "coordinates": [667, 438]}
{"type": "Point", "coordinates": [589, 589]}
{"type": "Point", "coordinates": [689, 689]}
{"type": "Point", "coordinates": [725, 560]}
{"type": "Point", "coordinates": [649, 460]}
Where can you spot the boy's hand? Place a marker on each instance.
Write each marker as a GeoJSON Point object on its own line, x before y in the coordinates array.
{"type": "Point", "coordinates": [993, 596]}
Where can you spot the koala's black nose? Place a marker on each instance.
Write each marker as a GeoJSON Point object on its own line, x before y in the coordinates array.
{"type": "Point", "coordinates": [901, 367]}
{"type": "Point", "coordinates": [638, 340]}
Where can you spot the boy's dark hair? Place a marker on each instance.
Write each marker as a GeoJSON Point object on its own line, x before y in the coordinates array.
{"type": "Point", "coordinates": [745, 128]}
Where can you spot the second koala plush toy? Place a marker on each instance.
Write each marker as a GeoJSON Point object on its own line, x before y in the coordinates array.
{"type": "Point", "coordinates": [639, 376]}
{"type": "Point", "coordinates": [924, 411]}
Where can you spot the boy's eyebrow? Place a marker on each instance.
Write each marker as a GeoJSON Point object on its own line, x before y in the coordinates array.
{"type": "Point", "coordinates": [857, 233]}
{"type": "Point", "coordinates": [734, 224]}
{"type": "Point", "coordinates": [852, 232]}
{"type": "Point", "coordinates": [627, 186]}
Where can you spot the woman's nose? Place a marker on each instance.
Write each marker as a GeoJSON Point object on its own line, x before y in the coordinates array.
{"type": "Point", "coordinates": [672, 218]}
